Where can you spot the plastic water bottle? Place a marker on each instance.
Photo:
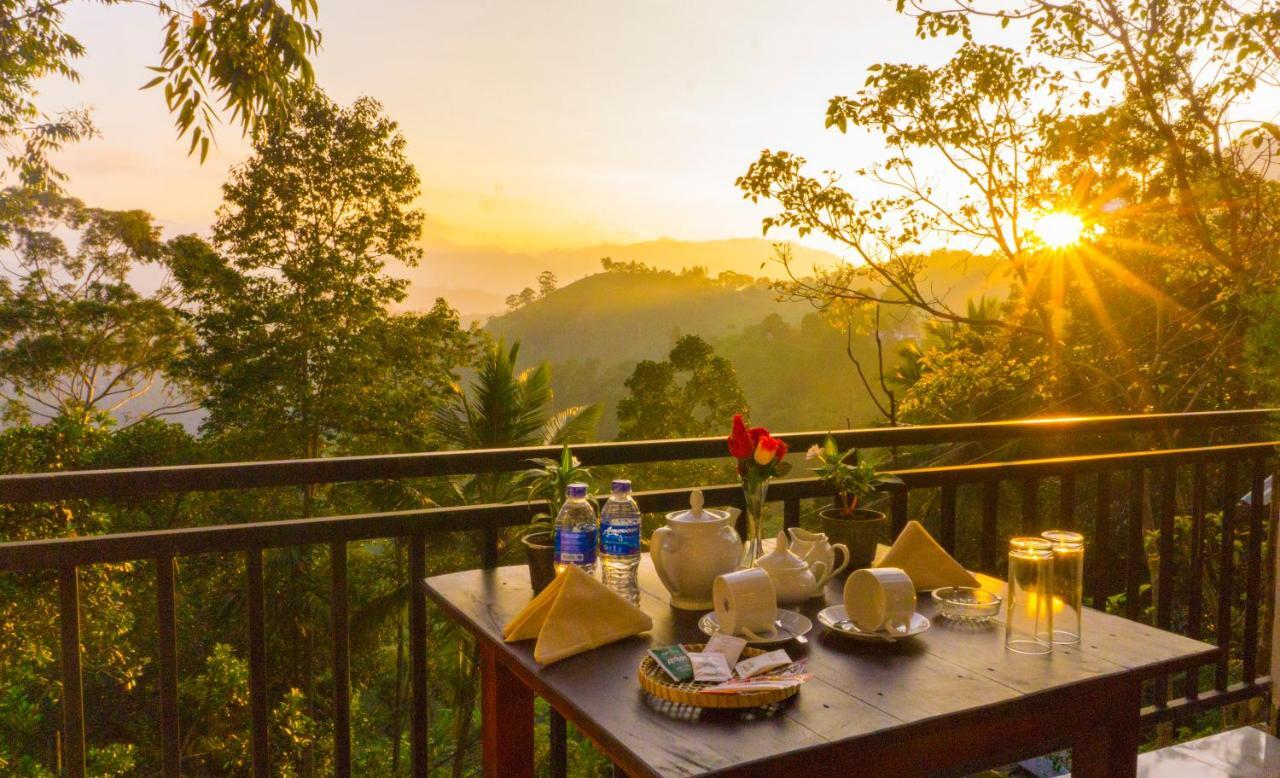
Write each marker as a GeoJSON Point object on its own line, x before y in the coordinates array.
{"type": "Point", "coordinates": [576, 530]}
{"type": "Point", "coordinates": [620, 541]}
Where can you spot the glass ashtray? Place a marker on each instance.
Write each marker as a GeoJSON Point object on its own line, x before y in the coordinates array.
{"type": "Point", "coordinates": [967, 604]}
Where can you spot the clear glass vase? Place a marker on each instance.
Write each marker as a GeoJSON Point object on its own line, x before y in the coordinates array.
{"type": "Point", "coordinates": [755, 492]}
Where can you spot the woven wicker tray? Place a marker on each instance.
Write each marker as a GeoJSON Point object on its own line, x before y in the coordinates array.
{"type": "Point", "coordinates": [656, 682]}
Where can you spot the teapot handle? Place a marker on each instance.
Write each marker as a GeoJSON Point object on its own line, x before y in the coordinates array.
{"type": "Point", "coordinates": [657, 552]}
{"type": "Point", "coordinates": [842, 548]}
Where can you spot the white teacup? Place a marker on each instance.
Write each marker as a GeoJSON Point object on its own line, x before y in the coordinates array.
{"type": "Point", "coordinates": [746, 604]}
{"type": "Point", "coordinates": [880, 598]}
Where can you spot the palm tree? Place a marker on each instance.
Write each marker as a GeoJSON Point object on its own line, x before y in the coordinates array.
{"type": "Point", "coordinates": [508, 409]}
{"type": "Point", "coordinates": [504, 408]}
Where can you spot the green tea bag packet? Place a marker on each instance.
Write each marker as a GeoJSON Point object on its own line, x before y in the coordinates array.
{"type": "Point", "coordinates": [674, 662]}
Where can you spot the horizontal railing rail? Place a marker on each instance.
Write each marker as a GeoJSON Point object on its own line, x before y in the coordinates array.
{"type": "Point", "coordinates": [1130, 486]}
{"type": "Point", "coordinates": [30, 487]}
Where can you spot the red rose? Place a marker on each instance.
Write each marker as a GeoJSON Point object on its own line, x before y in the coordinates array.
{"type": "Point", "coordinates": [741, 444]}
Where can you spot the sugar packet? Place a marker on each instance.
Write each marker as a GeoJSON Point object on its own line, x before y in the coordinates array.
{"type": "Point", "coordinates": [730, 646]}
{"type": "Point", "coordinates": [709, 666]}
{"type": "Point", "coordinates": [763, 663]}
{"type": "Point", "coordinates": [674, 662]}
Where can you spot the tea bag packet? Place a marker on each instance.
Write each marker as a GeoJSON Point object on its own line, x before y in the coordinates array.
{"type": "Point", "coordinates": [674, 662]}
{"type": "Point", "coordinates": [729, 646]}
{"type": "Point", "coordinates": [710, 667]}
{"type": "Point", "coordinates": [762, 664]}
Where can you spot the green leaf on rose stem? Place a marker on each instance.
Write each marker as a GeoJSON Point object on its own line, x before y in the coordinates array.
{"type": "Point", "coordinates": [781, 469]}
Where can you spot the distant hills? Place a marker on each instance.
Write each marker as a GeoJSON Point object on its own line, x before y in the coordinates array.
{"type": "Point", "coordinates": [593, 331]}
{"type": "Point", "coordinates": [791, 363]}
{"type": "Point", "coordinates": [476, 280]}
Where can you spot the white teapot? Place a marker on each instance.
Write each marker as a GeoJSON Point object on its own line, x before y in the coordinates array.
{"type": "Point", "coordinates": [692, 549]}
{"type": "Point", "coordinates": [814, 547]}
{"type": "Point", "coordinates": [794, 580]}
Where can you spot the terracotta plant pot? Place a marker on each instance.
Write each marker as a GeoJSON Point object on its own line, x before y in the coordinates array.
{"type": "Point", "coordinates": [860, 532]}
{"type": "Point", "coordinates": [540, 549]}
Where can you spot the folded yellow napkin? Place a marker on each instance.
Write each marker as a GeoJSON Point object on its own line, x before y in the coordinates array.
{"type": "Point", "coordinates": [575, 613]}
{"type": "Point", "coordinates": [928, 564]}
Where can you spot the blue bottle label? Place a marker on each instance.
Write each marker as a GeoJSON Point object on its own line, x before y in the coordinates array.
{"type": "Point", "coordinates": [620, 540]}
{"type": "Point", "coordinates": [577, 548]}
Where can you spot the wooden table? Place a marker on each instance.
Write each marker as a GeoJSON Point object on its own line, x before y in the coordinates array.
{"type": "Point", "coordinates": [947, 702]}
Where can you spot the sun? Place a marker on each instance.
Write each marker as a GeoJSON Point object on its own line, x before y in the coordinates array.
{"type": "Point", "coordinates": [1059, 229]}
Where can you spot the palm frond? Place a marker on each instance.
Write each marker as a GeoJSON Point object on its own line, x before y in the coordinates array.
{"type": "Point", "coordinates": [572, 425]}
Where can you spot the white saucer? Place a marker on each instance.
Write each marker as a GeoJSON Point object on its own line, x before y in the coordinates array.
{"type": "Point", "coordinates": [794, 625]}
{"type": "Point", "coordinates": [836, 619]}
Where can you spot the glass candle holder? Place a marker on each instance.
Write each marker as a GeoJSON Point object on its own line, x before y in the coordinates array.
{"type": "Point", "coordinates": [1030, 604]}
{"type": "Point", "coordinates": [1068, 584]}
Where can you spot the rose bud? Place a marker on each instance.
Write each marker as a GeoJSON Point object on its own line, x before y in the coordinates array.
{"type": "Point", "coordinates": [767, 450]}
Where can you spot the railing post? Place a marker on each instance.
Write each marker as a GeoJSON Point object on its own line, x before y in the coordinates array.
{"type": "Point", "coordinates": [559, 736]}
{"type": "Point", "coordinates": [418, 654]}
{"type": "Point", "coordinates": [898, 507]}
{"type": "Point", "coordinates": [1195, 596]}
{"type": "Point", "coordinates": [1274, 566]}
{"type": "Point", "coordinates": [338, 608]}
{"type": "Point", "coordinates": [947, 518]}
{"type": "Point", "coordinates": [167, 629]}
{"type": "Point", "coordinates": [489, 549]}
{"type": "Point", "coordinates": [1030, 506]}
{"type": "Point", "coordinates": [1226, 573]}
{"type": "Point", "coordinates": [791, 512]}
{"type": "Point", "coordinates": [1100, 561]}
{"type": "Point", "coordinates": [1134, 553]}
{"type": "Point", "coordinates": [1253, 570]}
{"type": "Point", "coordinates": [990, 524]}
{"type": "Point", "coordinates": [1067, 501]}
{"type": "Point", "coordinates": [72, 690]}
{"type": "Point", "coordinates": [258, 708]}
{"type": "Point", "coordinates": [1164, 581]}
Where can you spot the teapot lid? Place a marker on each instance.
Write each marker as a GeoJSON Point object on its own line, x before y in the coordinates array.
{"type": "Point", "coordinates": [696, 512]}
{"type": "Point", "coordinates": [781, 558]}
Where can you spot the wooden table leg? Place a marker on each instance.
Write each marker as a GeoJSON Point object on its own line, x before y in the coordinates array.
{"type": "Point", "coordinates": [1110, 750]}
{"type": "Point", "coordinates": [507, 713]}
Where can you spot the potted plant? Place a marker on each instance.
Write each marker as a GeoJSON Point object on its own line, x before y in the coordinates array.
{"type": "Point", "coordinates": [548, 481]}
{"type": "Point", "coordinates": [844, 522]}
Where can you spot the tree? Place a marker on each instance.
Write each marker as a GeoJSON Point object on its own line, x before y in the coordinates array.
{"type": "Point", "coordinates": [518, 301]}
{"type": "Point", "coordinates": [546, 283]}
{"type": "Point", "coordinates": [242, 58]}
{"type": "Point", "coordinates": [508, 408]}
{"type": "Point", "coordinates": [76, 337]}
{"type": "Point", "coordinates": [1128, 119]}
{"type": "Point", "coordinates": [297, 346]}
{"type": "Point", "coordinates": [691, 393]}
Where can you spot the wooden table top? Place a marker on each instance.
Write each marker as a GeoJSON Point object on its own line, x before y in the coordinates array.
{"type": "Point", "coordinates": [858, 690]}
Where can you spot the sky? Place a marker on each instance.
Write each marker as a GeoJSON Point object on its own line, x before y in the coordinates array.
{"type": "Point", "coordinates": [534, 126]}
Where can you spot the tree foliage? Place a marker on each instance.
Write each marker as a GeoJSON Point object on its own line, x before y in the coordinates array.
{"type": "Point", "coordinates": [690, 394]}
{"type": "Point", "coordinates": [1135, 118]}
{"type": "Point", "coordinates": [76, 336]}
{"type": "Point", "coordinates": [291, 300]}
{"type": "Point", "coordinates": [239, 58]}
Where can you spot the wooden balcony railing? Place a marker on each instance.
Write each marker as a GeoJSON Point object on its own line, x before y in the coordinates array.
{"type": "Point", "coordinates": [1126, 484]}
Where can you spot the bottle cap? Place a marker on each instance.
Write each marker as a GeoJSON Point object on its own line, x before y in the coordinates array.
{"type": "Point", "coordinates": [622, 485]}
{"type": "Point", "coordinates": [576, 491]}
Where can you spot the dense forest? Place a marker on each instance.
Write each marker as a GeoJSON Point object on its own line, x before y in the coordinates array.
{"type": "Point", "coordinates": [283, 328]}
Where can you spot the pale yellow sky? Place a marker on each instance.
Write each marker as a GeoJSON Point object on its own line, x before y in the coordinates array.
{"type": "Point", "coordinates": [533, 125]}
